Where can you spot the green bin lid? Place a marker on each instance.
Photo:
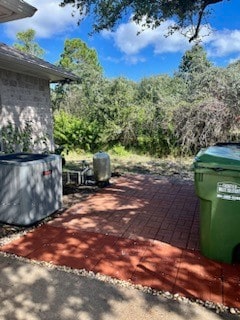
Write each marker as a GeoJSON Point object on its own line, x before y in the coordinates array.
{"type": "Point", "coordinates": [219, 157]}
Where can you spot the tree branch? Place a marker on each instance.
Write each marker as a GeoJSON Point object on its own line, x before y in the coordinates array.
{"type": "Point", "coordinates": [208, 2]}
{"type": "Point", "coordinates": [200, 16]}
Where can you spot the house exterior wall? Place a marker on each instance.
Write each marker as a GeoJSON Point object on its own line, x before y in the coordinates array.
{"type": "Point", "coordinates": [26, 98]}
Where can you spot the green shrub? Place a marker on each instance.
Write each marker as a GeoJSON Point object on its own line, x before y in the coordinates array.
{"type": "Point", "coordinates": [73, 133]}
{"type": "Point", "coordinates": [119, 150]}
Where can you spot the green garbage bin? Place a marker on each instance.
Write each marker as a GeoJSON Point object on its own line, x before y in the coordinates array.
{"type": "Point", "coordinates": [217, 184]}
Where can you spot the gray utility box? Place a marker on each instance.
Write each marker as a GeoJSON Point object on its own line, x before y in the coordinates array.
{"type": "Point", "coordinates": [30, 187]}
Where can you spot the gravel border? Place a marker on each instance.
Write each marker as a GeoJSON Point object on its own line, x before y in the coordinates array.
{"type": "Point", "coordinates": [216, 307]}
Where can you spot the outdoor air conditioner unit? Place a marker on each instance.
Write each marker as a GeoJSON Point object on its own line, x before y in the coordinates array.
{"type": "Point", "coordinates": [31, 187]}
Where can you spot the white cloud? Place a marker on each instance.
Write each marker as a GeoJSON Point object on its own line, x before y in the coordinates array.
{"type": "Point", "coordinates": [219, 43]}
{"type": "Point", "coordinates": [224, 42]}
{"type": "Point", "coordinates": [113, 59]}
{"type": "Point", "coordinates": [49, 20]}
{"type": "Point", "coordinates": [127, 39]}
{"type": "Point", "coordinates": [131, 60]}
{"type": "Point", "coordinates": [234, 59]}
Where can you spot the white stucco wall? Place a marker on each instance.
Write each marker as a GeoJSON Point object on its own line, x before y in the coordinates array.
{"type": "Point", "coordinates": [26, 98]}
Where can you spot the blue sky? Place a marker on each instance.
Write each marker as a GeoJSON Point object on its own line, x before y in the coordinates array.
{"type": "Point", "coordinates": [123, 53]}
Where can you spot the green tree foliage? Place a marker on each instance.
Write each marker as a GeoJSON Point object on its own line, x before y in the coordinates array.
{"type": "Point", "coordinates": [160, 115]}
{"type": "Point", "coordinates": [76, 55]}
{"type": "Point", "coordinates": [198, 74]}
{"type": "Point", "coordinates": [232, 93]}
{"type": "Point", "coordinates": [202, 124]}
{"type": "Point", "coordinates": [26, 43]}
{"type": "Point", "coordinates": [73, 133]}
{"type": "Point", "coordinates": [107, 13]}
{"type": "Point", "coordinates": [193, 62]}
{"type": "Point", "coordinates": [211, 105]}
{"type": "Point", "coordinates": [84, 62]}
{"type": "Point", "coordinates": [158, 97]}
{"type": "Point", "coordinates": [118, 114]}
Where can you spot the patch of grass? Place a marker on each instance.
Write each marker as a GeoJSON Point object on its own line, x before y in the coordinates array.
{"type": "Point", "coordinates": [119, 151]}
{"type": "Point", "coordinates": [138, 164]}
{"type": "Point", "coordinates": [75, 161]}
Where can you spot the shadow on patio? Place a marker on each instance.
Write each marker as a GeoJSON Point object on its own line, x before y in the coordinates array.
{"type": "Point", "coordinates": [138, 206]}
{"type": "Point", "coordinates": [140, 229]}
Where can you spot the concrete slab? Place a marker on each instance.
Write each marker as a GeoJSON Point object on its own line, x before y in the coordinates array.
{"type": "Point", "coordinates": [35, 292]}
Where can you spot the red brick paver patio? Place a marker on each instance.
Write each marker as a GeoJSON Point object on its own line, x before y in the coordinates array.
{"type": "Point", "coordinates": [140, 229]}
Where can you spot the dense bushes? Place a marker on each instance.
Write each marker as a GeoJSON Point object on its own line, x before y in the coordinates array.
{"type": "Point", "coordinates": [73, 133]}
{"type": "Point", "coordinates": [160, 115]}
{"type": "Point", "coordinates": [202, 124]}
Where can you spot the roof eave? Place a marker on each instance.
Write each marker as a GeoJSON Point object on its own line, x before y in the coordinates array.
{"type": "Point", "coordinates": [10, 63]}
{"type": "Point", "coordinates": [15, 9]}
